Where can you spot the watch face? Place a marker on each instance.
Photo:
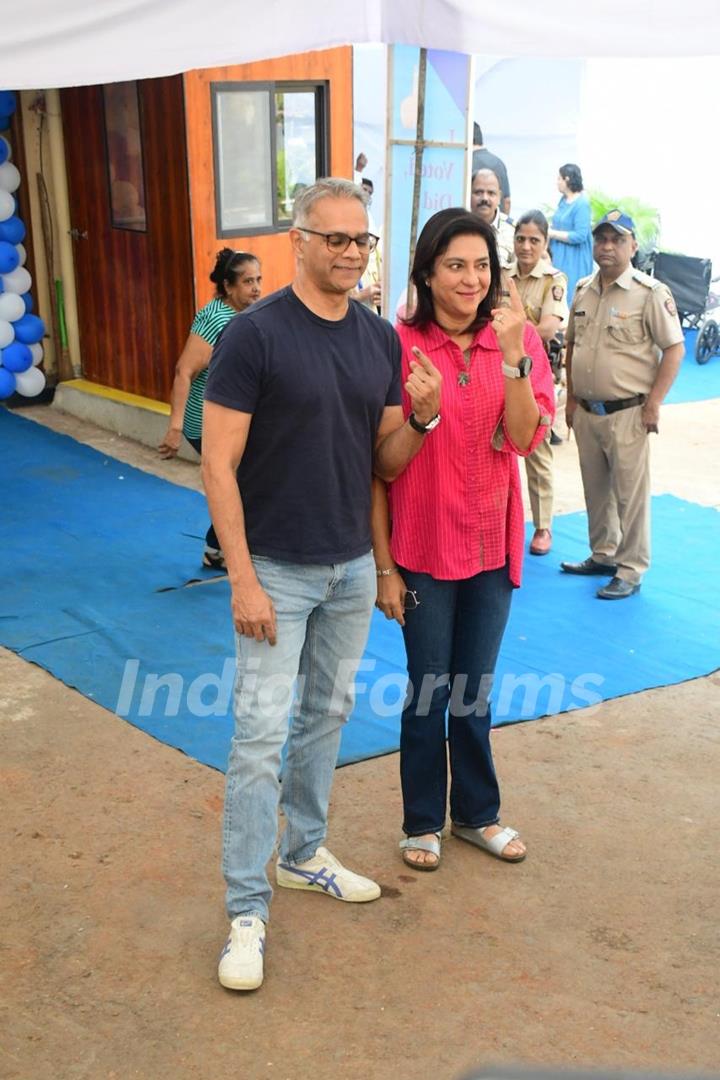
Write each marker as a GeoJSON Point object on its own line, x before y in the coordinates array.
{"type": "Point", "coordinates": [525, 366]}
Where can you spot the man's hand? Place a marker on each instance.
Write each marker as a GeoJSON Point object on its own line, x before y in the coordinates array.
{"type": "Point", "coordinates": [391, 591]}
{"type": "Point", "coordinates": [171, 443]}
{"type": "Point", "coordinates": [651, 417]}
{"type": "Point", "coordinates": [371, 294]}
{"type": "Point", "coordinates": [570, 407]}
{"type": "Point", "coordinates": [254, 613]}
{"type": "Point", "coordinates": [423, 387]}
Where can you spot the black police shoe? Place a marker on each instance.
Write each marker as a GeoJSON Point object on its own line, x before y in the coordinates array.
{"type": "Point", "coordinates": [588, 566]}
{"type": "Point", "coordinates": [617, 589]}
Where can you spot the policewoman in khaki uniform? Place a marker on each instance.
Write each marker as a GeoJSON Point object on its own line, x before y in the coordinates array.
{"type": "Point", "coordinates": [625, 346]}
{"type": "Point", "coordinates": [543, 291]}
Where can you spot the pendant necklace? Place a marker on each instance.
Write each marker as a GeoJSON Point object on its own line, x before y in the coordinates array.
{"type": "Point", "coordinates": [464, 376]}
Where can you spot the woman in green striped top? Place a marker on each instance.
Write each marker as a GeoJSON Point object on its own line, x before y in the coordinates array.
{"type": "Point", "coordinates": [237, 279]}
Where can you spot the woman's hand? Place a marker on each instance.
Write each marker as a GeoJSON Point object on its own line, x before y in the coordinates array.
{"type": "Point", "coordinates": [171, 442]}
{"type": "Point", "coordinates": [424, 385]}
{"type": "Point", "coordinates": [508, 322]}
{"type": "Point", "coordinates": [391, 591]}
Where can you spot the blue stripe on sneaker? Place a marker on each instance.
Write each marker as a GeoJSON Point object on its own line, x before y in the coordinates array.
{"type": "Point", "coordinates": [320, 877]}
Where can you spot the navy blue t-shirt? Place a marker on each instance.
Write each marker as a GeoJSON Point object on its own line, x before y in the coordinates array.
{"type": "Point", "coordinates": [316, 390]}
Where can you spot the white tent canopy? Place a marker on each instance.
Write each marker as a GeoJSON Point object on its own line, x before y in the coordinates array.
{"type": "Point", "coordinates": [47, 43]}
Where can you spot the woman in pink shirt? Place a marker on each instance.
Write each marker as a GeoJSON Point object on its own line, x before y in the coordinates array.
{"type": "Point", "coordinates": [447, 569]}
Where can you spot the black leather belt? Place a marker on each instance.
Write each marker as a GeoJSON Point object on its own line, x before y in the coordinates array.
{"type": "Point", "coordinates": [604, 408]}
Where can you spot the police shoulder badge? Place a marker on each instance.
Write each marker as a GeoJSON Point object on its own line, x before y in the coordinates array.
{"type": "Point", "coordinates": [557, 292]}
{"type": "Point", "coordinates": [670, 305]}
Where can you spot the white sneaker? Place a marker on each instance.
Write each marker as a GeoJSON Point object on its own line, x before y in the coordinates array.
{"type": "Point", "coordinates": [241, 961]}
{"type": "Point", "coordinates": [323, 873]}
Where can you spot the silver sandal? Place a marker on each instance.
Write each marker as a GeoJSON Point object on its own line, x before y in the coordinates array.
{"type": "Point", "coordinates": [416, 843]}
{"type": "Point", "coordinates": [494, 846]}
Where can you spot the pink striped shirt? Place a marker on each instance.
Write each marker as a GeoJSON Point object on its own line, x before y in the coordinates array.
{"type": "Point", "coordinates": [457, 508]}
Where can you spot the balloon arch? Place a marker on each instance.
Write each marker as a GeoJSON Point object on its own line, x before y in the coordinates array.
{"type": "Point", "coordinates": [20, 330]}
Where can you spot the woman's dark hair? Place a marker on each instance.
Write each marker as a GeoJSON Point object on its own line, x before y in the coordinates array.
{"type": "Point", "coordinates": [572, 176]}
{"type": "Point", "coordinates": [534, 217]}
{"type": "Point", "coordinates": [433, 242]}
{"type": "Point", "coordinates": [228, 264]}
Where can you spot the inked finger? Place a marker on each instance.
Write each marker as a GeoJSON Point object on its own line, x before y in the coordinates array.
{"type": "Point", "coordinates": [423, 360]}
{"type": "Point", "coordinates": [515, 302]}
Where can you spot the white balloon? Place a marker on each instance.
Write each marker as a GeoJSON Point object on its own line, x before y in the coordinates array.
{"type": "Point", "coordinates": [37, 353]}
{"type": "Point", "coordinates": [17, 281]}
{"type": "Point", "coordinates": [7, 334]}
{"type": "Point", "coordinates": [7, 204]}
{"type": "Point", "coordinates": [12, 306]}
{"type": "Point", "coordinates": [20, 248]}
{"type": "Point", "coordinates": [30, 383]}
{"type": "Point", "coordinates": [9, 176]}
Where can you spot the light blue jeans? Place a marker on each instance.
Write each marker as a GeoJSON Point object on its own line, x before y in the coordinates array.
{"type": "Point", "coordinates": [323, 615]}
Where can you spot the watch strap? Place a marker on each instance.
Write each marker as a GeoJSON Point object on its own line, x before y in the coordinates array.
{"type": "Point", "coordinates": [522, 370]}
{"type": "Point", "coordinates": [422, 429]}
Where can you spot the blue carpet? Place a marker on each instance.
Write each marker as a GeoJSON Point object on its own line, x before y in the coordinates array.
{"type": "Point", "coordinates": [97, 554]}
{"type": "Point", "coordinates": [695, 382]}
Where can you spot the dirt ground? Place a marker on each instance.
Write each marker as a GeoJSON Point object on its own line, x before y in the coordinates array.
{"type": "Point", "coordinates": [601, 950]}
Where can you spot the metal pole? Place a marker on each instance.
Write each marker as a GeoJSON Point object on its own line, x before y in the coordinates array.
{"type": "Point", "coordinates": [417, 182]}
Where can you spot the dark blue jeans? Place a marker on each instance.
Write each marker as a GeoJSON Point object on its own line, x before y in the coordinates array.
{"type": "Point", "coordinates": [452, 641]}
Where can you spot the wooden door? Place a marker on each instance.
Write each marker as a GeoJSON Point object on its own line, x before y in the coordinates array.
{"type": "Point", "coordinates": [130, 216]}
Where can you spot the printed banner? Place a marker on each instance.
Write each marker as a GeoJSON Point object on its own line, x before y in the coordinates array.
{"type": "Point", "coordinates": [446, 160]}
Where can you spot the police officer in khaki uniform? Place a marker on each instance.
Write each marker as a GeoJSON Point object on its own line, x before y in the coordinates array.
{"type": "Point", "coordinates": [543, 291]}
{"type": "Point", "coordinates": [625, 346]}
{"type": "Point", "coordinates": [485, 202]}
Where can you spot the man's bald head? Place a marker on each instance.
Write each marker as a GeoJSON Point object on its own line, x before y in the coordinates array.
{"type": "Point", "coordinates": [485, 195]}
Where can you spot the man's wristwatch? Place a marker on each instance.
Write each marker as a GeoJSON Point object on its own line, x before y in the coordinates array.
{"type": "Point", "coordinates": [423, 429]}
{"type": "Point", "coordinates": [521, 371]}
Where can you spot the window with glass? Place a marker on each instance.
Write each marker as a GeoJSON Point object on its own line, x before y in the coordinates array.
{"type": "Point", "coordinates": [270, 142]}
{"type": "Point", "coordinates": [124, 150]}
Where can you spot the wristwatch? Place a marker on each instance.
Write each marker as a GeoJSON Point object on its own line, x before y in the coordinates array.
{"type": "Point", "coordinates": [423, 429]}
{"type": "Point", "coordinates": [521, 371]}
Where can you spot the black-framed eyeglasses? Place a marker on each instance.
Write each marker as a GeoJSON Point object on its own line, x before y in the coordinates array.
{"type": "Point", "coordinates": [411, 600]}
{"type": "Point", "coordinates": [338, 242]}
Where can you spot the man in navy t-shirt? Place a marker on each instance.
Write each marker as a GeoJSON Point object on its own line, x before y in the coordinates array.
{"type": "Point", "coordinates": [302, 402]}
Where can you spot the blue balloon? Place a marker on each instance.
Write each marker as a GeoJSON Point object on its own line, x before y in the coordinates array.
{"type": "Point", "coordinates": [4, 151]}
{"type": "Point", "coordinates": [29, 329]}
{"type": "Point", "coordinates": [12, 230]}
{"type": "Point", "coordinates": [9, 257]}
{"type": "Point", "coordinates": [16, 357]}
{"type": "Point", "coordinates": [27, 300]}
{"type": "Point", "coordinates": [8, 102]}
{"type": "Point", "coordinates": [7, 383]}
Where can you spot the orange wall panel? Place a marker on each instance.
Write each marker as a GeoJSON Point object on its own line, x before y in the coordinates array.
{"type": "Point", "coordinates": [331, 65]}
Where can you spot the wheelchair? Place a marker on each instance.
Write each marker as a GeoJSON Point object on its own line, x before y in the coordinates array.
{"type": "Point", "coordinates": [689, 280]}
{"type": "Point", "coordinates": [708, 341]}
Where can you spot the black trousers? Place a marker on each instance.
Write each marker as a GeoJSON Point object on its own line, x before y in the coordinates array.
{"type": "Point", "coordinates": [211, 539]}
